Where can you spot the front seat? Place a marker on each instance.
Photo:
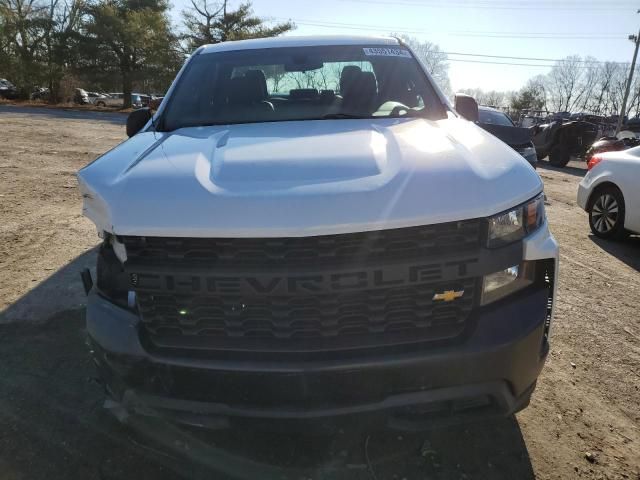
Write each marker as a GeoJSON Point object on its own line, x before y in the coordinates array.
{"type": "Point", "coordinates": [348, 75]}
{"type": "Point", "coordinates": [360, 94]}
{"type": "Point", "coordinates": [249, 90]}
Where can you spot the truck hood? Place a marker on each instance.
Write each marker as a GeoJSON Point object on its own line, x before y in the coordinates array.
{"type": "Point", "coordinates": [303, 178]}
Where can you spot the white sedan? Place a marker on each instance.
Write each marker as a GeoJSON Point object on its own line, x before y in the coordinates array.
{"type": "Point", "coordinates": [610, 193]}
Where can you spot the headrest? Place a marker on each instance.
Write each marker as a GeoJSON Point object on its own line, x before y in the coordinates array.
{"type": "Point", "coordinates": [348, 76]}
{"type": "Point", "coordinates": [360, 94]}
{"type": "Point", "coordinates": [258, 77]}
{"type": "Point", "coordinates": [250, 88]}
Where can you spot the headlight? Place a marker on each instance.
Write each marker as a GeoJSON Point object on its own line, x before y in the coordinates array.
{"type": "Point", "coordinates": [111, 280]}
{"type": "Point", "coordinates": [517, 223]}
{"type": "Point", "coordinates": [505, 282]}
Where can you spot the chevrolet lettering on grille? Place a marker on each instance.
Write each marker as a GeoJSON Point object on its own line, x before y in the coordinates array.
{"type": "Point", "coordinates": [193, 283]}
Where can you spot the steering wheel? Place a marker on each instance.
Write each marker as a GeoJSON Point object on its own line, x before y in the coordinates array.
{"type": "Point", "coordinates": [395, 112]}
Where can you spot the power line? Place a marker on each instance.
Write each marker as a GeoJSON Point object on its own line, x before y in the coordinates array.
{"type": "Point", "coordinates": [490, 34]}
{"type": "Point", "coordinates": [530, 58]}
{"type": "Point", "coordinates": [588, 63]}
{"type": "Point", "coordinates": [501, 63]}
{"type": "Point", "coordinates": [493, 6]}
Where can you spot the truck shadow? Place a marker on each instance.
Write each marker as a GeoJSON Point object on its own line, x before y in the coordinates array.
{"type": "Point", "coordinates": [54, 425]}
{"type": "Point", "coordinates": [627, 250]}
{"type": "Point", "coordinates": [569, 170]}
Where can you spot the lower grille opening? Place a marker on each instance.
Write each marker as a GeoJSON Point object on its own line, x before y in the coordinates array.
{"type": "Point", "coordinates": [416, 417]}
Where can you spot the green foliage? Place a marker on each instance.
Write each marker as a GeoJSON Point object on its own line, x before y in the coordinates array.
{"type": "Point", "coordinates": [529, 97]}
{"type": "Point", "coordinates": [131, 39]}
{"type": "Point", "coordinates": [206, 23]}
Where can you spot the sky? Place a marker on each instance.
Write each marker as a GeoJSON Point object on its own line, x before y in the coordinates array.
{"type": "Point", "coordinates": [474, 32]}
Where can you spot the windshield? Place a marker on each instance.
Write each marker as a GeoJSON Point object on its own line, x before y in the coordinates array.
{"type": "Point", "coordinates": [301, 83]}
{"type": "Point", "coordinates": [494, 118]}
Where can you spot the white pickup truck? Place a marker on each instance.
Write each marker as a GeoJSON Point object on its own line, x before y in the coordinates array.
{"type": "Point", "coordinates": [306, 230]}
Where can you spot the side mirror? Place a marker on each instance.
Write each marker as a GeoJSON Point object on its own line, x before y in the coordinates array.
{"type": "Point", "coordinates": [137, 119]}
{"type": "Point", "coordinates": [466, 106]}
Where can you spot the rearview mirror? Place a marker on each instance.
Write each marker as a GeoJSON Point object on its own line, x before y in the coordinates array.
{"type": "Point", "coordinates": [137, 119]}
{"type": "Point", "coordinates": [466, 106]}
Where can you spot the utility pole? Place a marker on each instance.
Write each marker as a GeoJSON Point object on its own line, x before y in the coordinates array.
{"type": "Point", "coordinates": [636, 40]}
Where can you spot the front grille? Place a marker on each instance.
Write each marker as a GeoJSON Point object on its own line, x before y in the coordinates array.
{"type": "Point", "coordinates": [408, 311]}
{"type": "Point", "coordinates": [412, 242]}
{"type": "Point", "coordinates": [350, 290]}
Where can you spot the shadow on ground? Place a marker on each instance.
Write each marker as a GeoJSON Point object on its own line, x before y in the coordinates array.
{"type": "Point", "coordinates": [53, 424]}
{"type": "Point", "coordinates": [575, 171]}
{"type": "Point", "coordinates": [627, 250]}
{"type": "Point", "coordinates": [69, 114]}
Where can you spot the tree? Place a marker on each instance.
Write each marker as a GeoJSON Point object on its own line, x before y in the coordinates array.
{"type": "Point", "coordinates": [207, 23]}
{"type": "Point", "coordinates": [435, 60]}
{"type": "Point", "coordinates": [130, 37]}
{"type": "Point", "coordinates": [24, 27]}
{"type": "Point", "coordinates": [491, 98]}
{"type": "Point", "coordinates": [570, 83]}
{"type": "Point", "coordinates": [530, 97]}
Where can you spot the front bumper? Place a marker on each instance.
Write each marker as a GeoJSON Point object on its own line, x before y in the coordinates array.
{"type": "Point", "coordinates": [490, 372]}
{"type": "Point", "coordinates": [583, 196]}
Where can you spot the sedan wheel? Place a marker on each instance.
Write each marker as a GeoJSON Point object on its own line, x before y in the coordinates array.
{"type": "Point", "coordinates": [606, 217]}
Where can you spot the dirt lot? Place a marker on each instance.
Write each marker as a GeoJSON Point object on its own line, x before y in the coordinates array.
{"type": "Point", "coordinates": [52, 424]}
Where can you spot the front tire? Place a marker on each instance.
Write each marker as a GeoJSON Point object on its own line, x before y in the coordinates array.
{"type": "Point", "coordinates": [100, 104]}
{"type": "Point", "coordinates": [606, 215]}
{"type": "Point", "coordinates": [559, 156]}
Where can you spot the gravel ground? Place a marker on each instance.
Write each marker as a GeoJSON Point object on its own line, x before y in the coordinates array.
{"type": "Point", "coordinates": [584, 420]}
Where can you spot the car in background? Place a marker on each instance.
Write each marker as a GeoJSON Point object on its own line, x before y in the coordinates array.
{"type": "Point", "coordinates": [117, 100]}
{"type": "Point", "coordinates": [144, 99]}
{"type": "Point", "coordinates": [80, 96]}
{"type": "Point", "coordinates": [7, 89]}
{"type": "Point", "coordinates": [40, 93]}
{"type": "Point", "coordinates": [95, 97]}
{"type": "Point", "coordinates": [561, 138]}
{"type": "Point", "coordinates": [500, 125]}
{"type": "Point", "coordinates": [155, 102]}
{"type": "Point", "coordinates": [623, 141]}
{"type": "Point", "coordinates": [529, 118]}
{"type": "Point", "coordinates": [609, 193]}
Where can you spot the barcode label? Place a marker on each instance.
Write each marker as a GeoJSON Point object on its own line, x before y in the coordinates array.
{"type": "Point", "coordinates": [386, 52]}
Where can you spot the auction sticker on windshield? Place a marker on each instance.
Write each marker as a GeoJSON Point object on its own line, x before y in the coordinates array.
{"type": "Point", "coordinates": [386, 52]}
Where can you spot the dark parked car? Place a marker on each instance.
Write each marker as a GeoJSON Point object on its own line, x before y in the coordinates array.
{"type": "Point", "coordinates": [500, 125]}
{"type": "Point", "coordinates": [611, 144]}
{"type": "Point", "coordinates": [561, 139]}
{"type": "Point", "coordinates": [7, 89]}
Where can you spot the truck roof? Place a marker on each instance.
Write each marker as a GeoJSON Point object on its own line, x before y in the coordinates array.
{"type": "Point", "coordinates": [298, 41]}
